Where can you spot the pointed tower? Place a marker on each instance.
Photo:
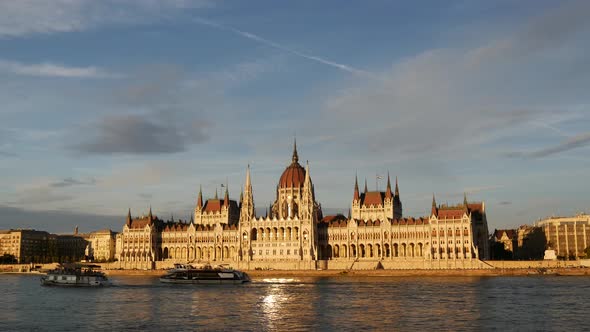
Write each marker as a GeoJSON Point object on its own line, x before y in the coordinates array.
{"type": "Point", "coordinates": [226, 197]}
{"type": "Point", "coordinates": [434, 210]}
{"type": "Point", "coordinates": [366, 190]}
{"type": "Point", "coordinates": [150, 216]}
{"type": "Point", "coordinates": [397, 203]}
{"type": "Point", "coordinates": [216, 197]}
{"type": "Point", "coordinates": [465, 203]}
{"type": "Point", "coordinates": [200, 199]}
{"type": "Point", "coordinates": [356, 189]}
{"type": "Point", "coordinates": [247, 211]}
{"type": "Point", "coordinates": [129, 218]}
{"type": "Point", "coordinates": [388, 194]}
{"type": "Point", "coordinates": [307, 199]}
{"type": "Point", "coordinates": [308, 215]}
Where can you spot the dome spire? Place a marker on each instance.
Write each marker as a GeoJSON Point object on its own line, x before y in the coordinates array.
{"type": "Point", "coordinates": [295, 156]}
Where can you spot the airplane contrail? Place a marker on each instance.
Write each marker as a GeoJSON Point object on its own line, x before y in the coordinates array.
{"type": "Point", "coordinates": [272, 44]}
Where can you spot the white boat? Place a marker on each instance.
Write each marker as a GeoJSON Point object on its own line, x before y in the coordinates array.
{"type": "Point", "coordinates": [75, 275]}
{"type": "Point", "coordinates": [205, 274]}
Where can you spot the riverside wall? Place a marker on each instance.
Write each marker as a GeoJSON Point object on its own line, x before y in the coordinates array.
{"type": "Point", "coordinates": [333, 265]}
{"type": "Point", "coordinates": [348, 265]}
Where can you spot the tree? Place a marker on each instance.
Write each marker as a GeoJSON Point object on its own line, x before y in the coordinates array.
{"type": "Point", "coordinates": [8, 259]}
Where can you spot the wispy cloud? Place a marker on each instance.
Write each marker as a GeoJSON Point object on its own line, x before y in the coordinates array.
{"type": "Point", "coordinates": [48, 69]}
{"type": "Point", "coordinates": [264, 41]}
{"type": "Point", "coordinates": [467, 96]}
{"type": "Point", "coordinates": [28, 17]}
{"type": "Point", "coordinates": [571, 143]}
{"type": "Point", "coordinates": [69, 182]}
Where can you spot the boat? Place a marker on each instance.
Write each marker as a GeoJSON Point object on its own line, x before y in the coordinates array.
{"type": "Point", "coordinates": [75, 275]}
{"type": "Point", "coordinates": [204, 274]}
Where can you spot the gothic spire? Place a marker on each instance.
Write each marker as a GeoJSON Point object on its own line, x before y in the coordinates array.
{"type": "Point", "coordinates": [216, 197]}
{"type": "Point", "coordinates": [295, 156]}
{"type": "Point", "coordinates": [248, 185]}
{"type": "Point", "coordinates": [307, 181]}
{"type": "Point", "coordinates": [465, 199]}
{"type": "Point", "coordinates": [356, 188]}
{"type": "Point", "coordinates": [200, 198]}
{"type": "Point", "coordinates": [150, 214]}
{"type": "Point", "coordinates": [396, 188]}
{"type": "Point", "coordinates": [129, 217]}
{"type": "Point", "coordinates": [366, 185]}
{"type": "Point", "coordinates": [226, 196]}
{"type": "Point", "coordinates": [388, 190]}
{"type": "Point", "coordinates": [247, 200]}
{"type": "Point", "coordinates": [434, 210]}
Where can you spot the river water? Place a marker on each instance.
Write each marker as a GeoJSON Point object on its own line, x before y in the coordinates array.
{"type": "Point", "coordinates": [551, 303]}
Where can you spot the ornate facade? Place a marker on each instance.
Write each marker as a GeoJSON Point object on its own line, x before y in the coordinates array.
{"type": "Point", "coordinates": [294, 232]}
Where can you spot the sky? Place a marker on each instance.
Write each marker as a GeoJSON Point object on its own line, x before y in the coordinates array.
{"type": "Point", "coordinates": [117, 104]}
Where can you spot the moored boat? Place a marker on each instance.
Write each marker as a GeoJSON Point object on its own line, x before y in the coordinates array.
{"type": "Point", "coordinates": [205, 274]}
{"type": "Point", "coordinates": [75, 275]}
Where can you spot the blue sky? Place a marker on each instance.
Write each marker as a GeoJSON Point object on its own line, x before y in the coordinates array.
{"type": "Point", "coordinates": [109, 105]}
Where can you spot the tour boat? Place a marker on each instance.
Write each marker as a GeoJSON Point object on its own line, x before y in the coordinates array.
{"type": "Point", "coordinates": [75, 275]}
{"type": "Point", "coordinates": [206, 274]}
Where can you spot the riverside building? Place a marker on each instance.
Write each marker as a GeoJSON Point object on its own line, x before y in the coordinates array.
{"type": "Point", "coordinates": [294, 234]}
{"type": "Point", "coordinates": [568, 236]}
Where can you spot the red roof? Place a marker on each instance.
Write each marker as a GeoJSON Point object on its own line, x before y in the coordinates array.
{"type": "Point", "coordinates": [475, 207]}
{"type": "Point", "coordinates": [372, 198]}
{"type": "Point", "coordinates": [445, 213]}
{"type": "Point", "coordinates": [333, 218]}
{"type": "Point", "coordinates": [293, 176]}
{"type": "Point", "coordinates": [213, 205]}
{"type": "Point", "coordinates": [139, 222]}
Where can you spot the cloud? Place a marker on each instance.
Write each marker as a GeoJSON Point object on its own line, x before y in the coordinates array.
{"type": "Point", "coordinates": [141, 134]}
{"type": "Point", "coordinates": [48, 69]}
{"type": "Point", "coordinates": [145, 196]}
{"type": "Point", "coordinates": [446, 102]}
{"type": "Point", "coordinates": [57, 221]}
{"type": "Point", "coordinates": [578, 141]}
{"type": "Point", "coordinates": [68, 182]}
{"type": "Point", "coordinates": [28, 17]}
{"type": "Point", "coordinates": [8, 154]}
{"type": "Point", "coordinates": [39, 196]}
{"type": "Point", "coordinates": [264, 41]}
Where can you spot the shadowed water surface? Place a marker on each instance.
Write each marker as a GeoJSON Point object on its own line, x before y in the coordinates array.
{"type": "Point", "coordinates": [329, 304]}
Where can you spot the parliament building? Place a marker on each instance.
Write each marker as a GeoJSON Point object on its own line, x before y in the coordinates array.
{"type": "Point", "coordinates": [294, 233]}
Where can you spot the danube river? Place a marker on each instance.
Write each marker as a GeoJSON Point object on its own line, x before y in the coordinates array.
{"type": "Point", "coordinates": [326, 304]}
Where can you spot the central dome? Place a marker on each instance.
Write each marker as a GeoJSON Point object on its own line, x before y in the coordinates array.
{"type": "Point", "coordinates": [294, 175]}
